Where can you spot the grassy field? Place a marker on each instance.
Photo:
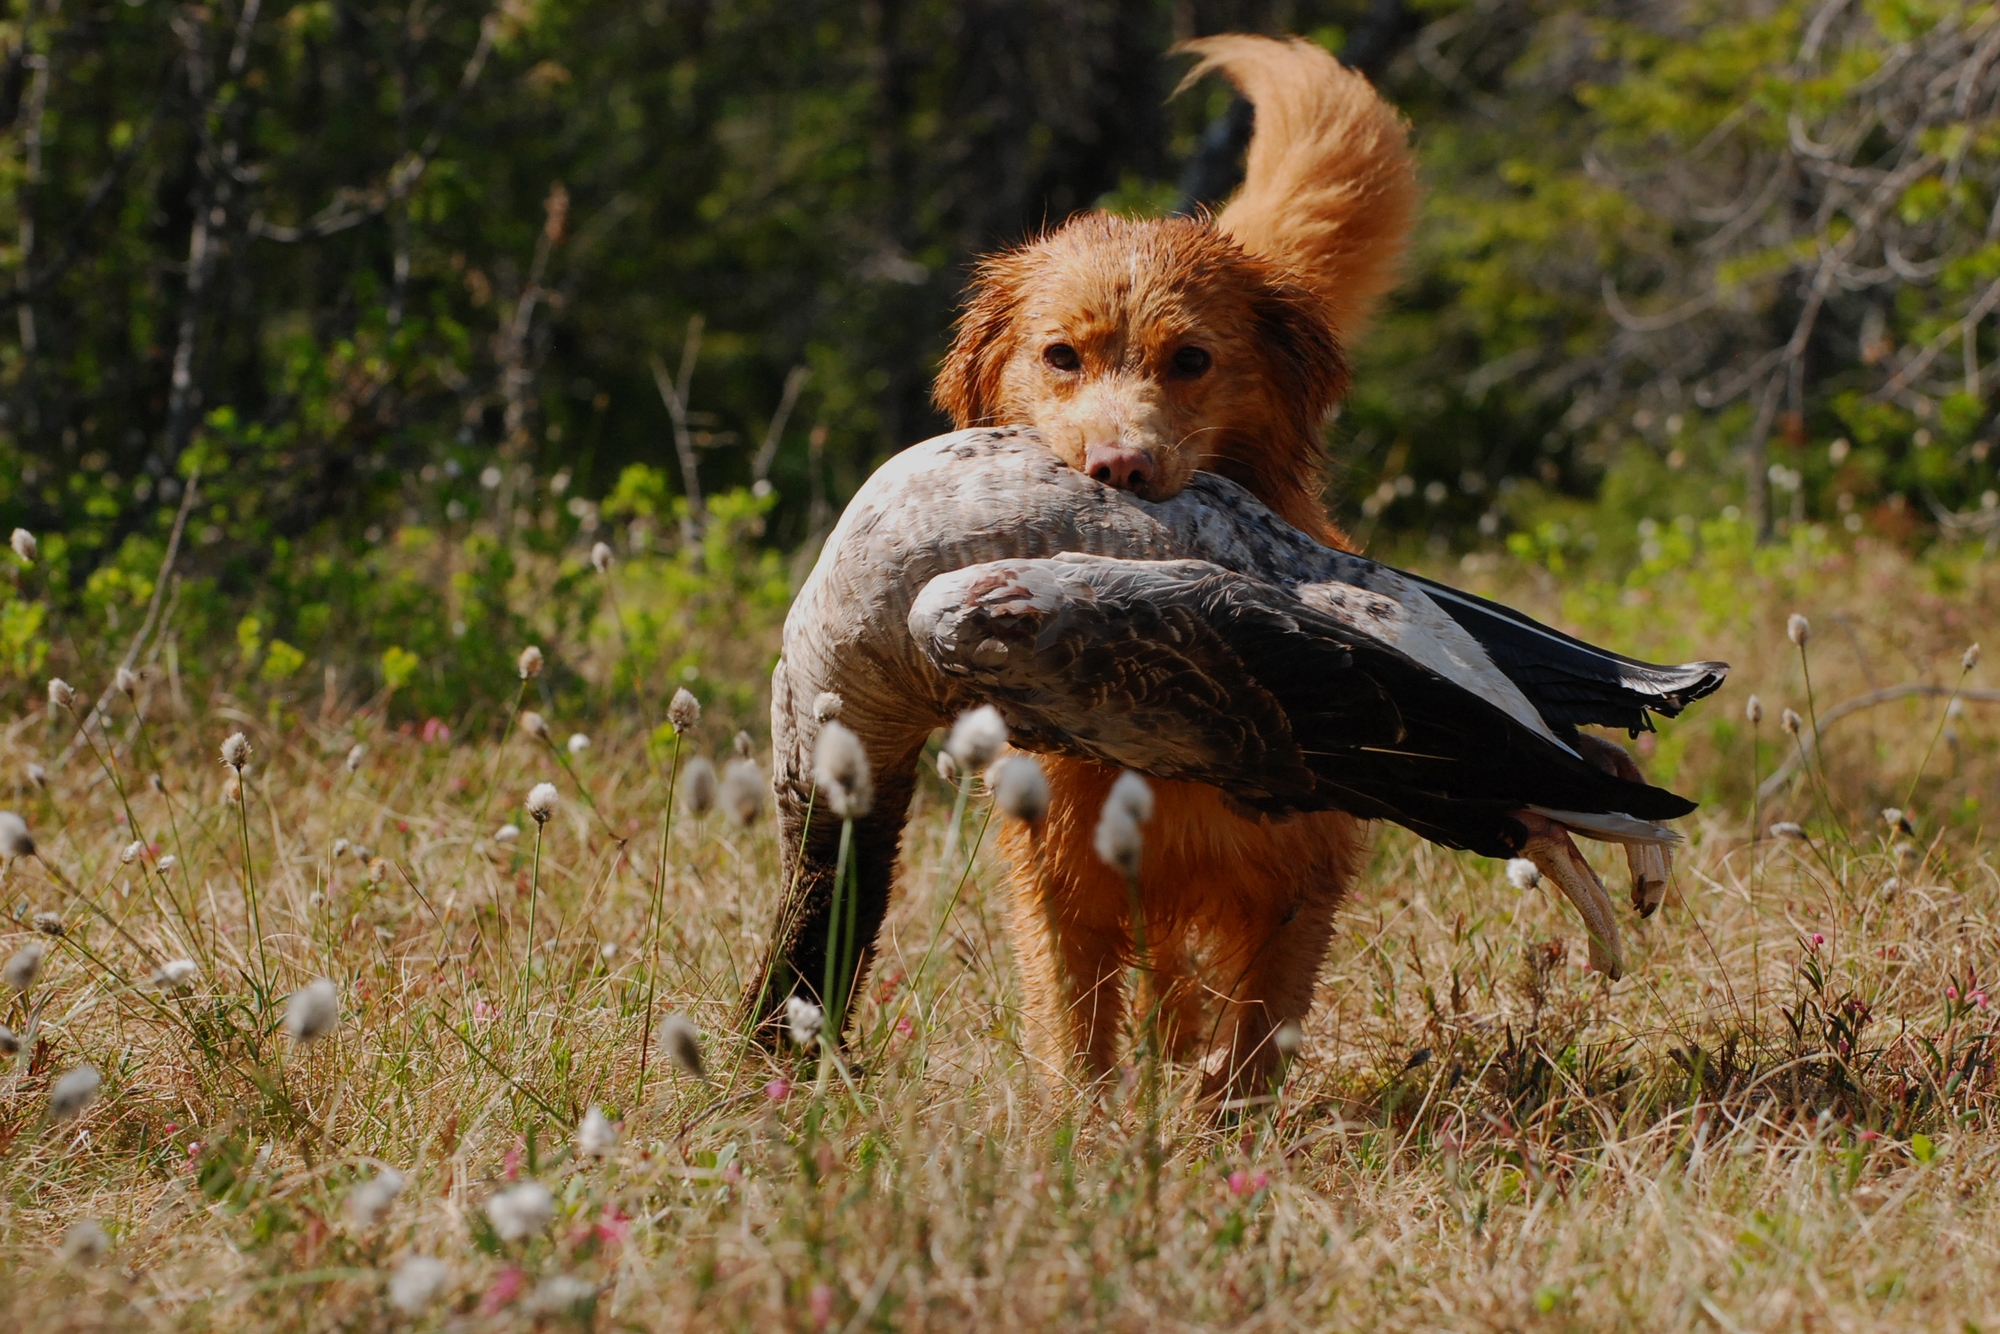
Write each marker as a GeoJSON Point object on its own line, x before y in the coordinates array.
{"type": "Point", "coordinates": [1784, 1118]}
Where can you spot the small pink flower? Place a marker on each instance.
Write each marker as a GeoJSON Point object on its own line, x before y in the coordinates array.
{"type": "Point", "coordinates": [1239, 1182]}
{"type": "Point", "coordinates": [732, 1174]}
{"type": "Point", "coordinates": [511, 1164]}
{"type": "Point", "coordinates": [778, 1090]}
{"type": "Point", "coordinates": [1979, 1000]}
{"type": "Point", "coordinates": [820, 1302]}
{"type": "Point", "coordinates": [1868, 1136]}
{"type": "Point", "coordinates": [504, 1290]}
{"type": "Point", "coordinates": [173, 1127]}
{"type": "Point", "coordinates": [483, 1009]}
{"type": "Point", "coordinates": [1260, 1181]}
{"type": "Point", "coordinates": [1951, 993]}
{"type": "Point", "coordinates": [904, 1026]}
{"type": "Point", "coordinates": [435, 730]}
{"type": "Point", "coordinates": [612, 1224]}
{"type": "Point", "coordinates": [1818, 940]}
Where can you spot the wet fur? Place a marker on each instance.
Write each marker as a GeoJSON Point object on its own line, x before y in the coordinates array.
{"type": "Point", "coordinates": [1238, 910]}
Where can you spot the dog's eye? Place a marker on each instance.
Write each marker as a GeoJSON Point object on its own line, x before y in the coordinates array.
{"type": "Point", "coordinates": [1061, 356]}
{"type": "Point", "coordinates": [1192, 362]}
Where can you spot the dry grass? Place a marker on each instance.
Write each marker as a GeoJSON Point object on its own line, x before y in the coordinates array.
{"type": "Point", "coordinates": [1781, 1120]}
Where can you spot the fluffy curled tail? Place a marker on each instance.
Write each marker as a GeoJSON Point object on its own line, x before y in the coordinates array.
{"type": "Point", "coordinates": [1330, 191]}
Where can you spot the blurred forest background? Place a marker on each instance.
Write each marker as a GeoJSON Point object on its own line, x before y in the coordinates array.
{"type": "Point", "coordinates": [423, 298]}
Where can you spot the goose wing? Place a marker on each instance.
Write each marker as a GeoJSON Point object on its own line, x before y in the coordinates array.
{"type": "Point", "coordinates": [1186, 670]}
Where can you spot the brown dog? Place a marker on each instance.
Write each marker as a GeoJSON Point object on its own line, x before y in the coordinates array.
{"type": "Point", "coordinates": [1143, 352]}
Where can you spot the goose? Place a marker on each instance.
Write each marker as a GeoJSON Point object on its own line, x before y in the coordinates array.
{"type": "Point", "coordinates": [1200, 638]}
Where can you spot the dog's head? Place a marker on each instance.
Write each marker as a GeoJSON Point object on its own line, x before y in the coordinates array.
{"type": "Point", "coordinates": [1145, 351]}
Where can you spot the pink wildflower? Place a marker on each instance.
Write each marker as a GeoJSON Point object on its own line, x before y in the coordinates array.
{"type": "Point", "coordinates": [511, 1164]}
{"type": "Point", "coordinates": [1979, 1000]}
{"type": "Point", "coordinates": [778, 1090]}
{"type": "Point", "coordinates": [820, 1301]}
{"type": "Point", "coordinates": [1818, 940]}
{"type": "Point", "coordinates": [612, 1224]}
{"type": "Point", "coordinates": [436, 730]}
{"type": "Point", "coordinates": [1951, 993]}
{"type": "Point", "coordinates": [504, 1290]}
{"type": "Point", "coordinates": [904, 1026]}
{"type": "Point", "coordinates": [1868, 1136]}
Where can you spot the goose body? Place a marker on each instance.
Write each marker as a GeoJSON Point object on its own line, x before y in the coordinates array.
{"type": "Point", "coordinates": [1200, 638]}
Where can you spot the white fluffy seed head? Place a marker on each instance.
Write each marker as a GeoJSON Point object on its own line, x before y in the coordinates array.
{"type": "Point", "coordinates": [562, 1295]}
{"type": "Point", "coordinates": [977, 738]}
{"type": "Point", "coordinates": [1798, 629]}
{"type": "Point", "coordinates": [174, 974]}
{"type": "Point", "coordinates": [168, 863]}
{"type": "Point", "coordinates": [1791, 722]}
{"type": "Point", "coordinates": [947, 768]}
{"type": "Point", "coordinates": [601, 557]}
{"type": "Point", "coordinates": [746, 745]}
{"type": "Point", "coordinates": [803, 1020]}
{"type": "Point", "coordinates": [541, 802]}
{"type": "Point", "coordinates": [1787, 829]}
{"type": "Point", "coordinates": [1753, 709]}
{"type": "Point", "coordinates": [23, 966]}
{"type": "Point", "coordinates": [682, 1041]}
{"type": "Point", "coordinates": [355, 754]}
{"type": "Point", "coordinates": [578, 743]}
{"type": "Point", "coordinates": [841, 771]}
{"type": "Point", "coordinates": [417, 1282]}
{"type": "Point", "coordinates": [236, 751]}
{"type": "Point", "coordinates": [126, 682]}
{"type": "Point", "coordinates": [50, 924]}
{"type": "Point", "coordinates": [1523, 874]}
{"type": "Point", "coordinates": [61, 695]}
{"type": "Point", "coordinates": [24, 545]}
{"type": "Point", "coordinates": [313, 1011]}
{"type": "Point", "coordinates": [1020, 787]}
{"type": "Point", "coordinates": [742, 792]}
{"type": "Point", "coordinates": [535, 725]}
{"type": "Point", "coordinates": [1134, 794]}
{"type": "Point", "coordinates": [15, 840]}
{"type": "Point", "coordinates": [522, 1211]}
{"type": "Point", "coordinates": [1969, 659]}
{"type": "Point", "coordinates": [71, 1094]}
{"type": "Point", "coordinates": [131, 852]}
{"type": "Point", "coordinates": [38, 774]}
{"type": "Point", "coordinates": [507, 833]}
{"type": "Point", "coordinates": [86, 1242]}
{"type": "Point", "coordinates": [699, 786]}
{"type": "Point", "coordinates": [530, 663]}
{"type": "Point", "coordinates": [370, 1199]}
{"type": "Point", "coordinates": [1287, 1038]}
{"type": "Point", "coordinates": [826, 706]}
{"type": "Point", "coordinates": [1118, 840]}
{"type": "Point", "coordinates": [684, 712]}
{"type": "Point", "coordinates": [596, 1137]}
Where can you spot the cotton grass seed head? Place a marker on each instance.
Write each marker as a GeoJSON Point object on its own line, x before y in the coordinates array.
{"type": "Point", "coordinates": [417, 1282]}
{"type": "Point", "coordinates": [507, 833]}
{"type": "Point", "coordinates": [61, 695]}
{"type": "Point", "coordinates": [601, 557]}
{"type": "Point", "coordinates": [313, 1011]}
{"type": "Point", "coordinates": [174, 975]}
{"type": "Point", "coordinates": [50, 924]}
{"type": "Point", "coordinates": [746, 745]}
{"type": "Point", "coordinates": [24, 545]}
{"type": "Point", "coordinates": [1523, 874]}
{"type": "Point", "coordinates": [977, 738]}
{"type": "Point", "coordinates": [541, 802]}
{"type": "Point", "coordinates": [1787, 829]}
{"type": "Point", "coordinates": [1753, 709]}
{"type": "Point", "coordinates": [1118, 839]}
{"type": "Point", "coordinates": [577, 743]}
{"type": "Point", "coordinates": [86, 1242]}
{"type": "Point", "coordinates": [131, 852]}
{"type": "Point", "coordinates": [840, 768]}
{"type": "Point", "coordinates": [236, 751]}
{"type": "Point", "coordinates": [684, 712]}
{"type": "Point", "coordinates": [1798, 629]}
{"type": "Point", "coordinates": [126, 682]}
{"type": "Point", "coordinates": [529, 663]}
{"type": "Point", "coordinates": [168, 863]}
{"type": "Point", "coordinates": [38, 774]}
{"type": "Point", "coordinates": [15, 840]}
{"type": "Point", "coordinates": [370, 1199]}
{"type": "Point", "coordinates": [596, 1137]}
{"type": "Point", "coordinates": [742, 793]}
{"type": "Point", "coordinates": [1020, 787]}
{"type": "Point", "coordinates": [71, 1094]}
{"type": "Point", "coordinates": [1791, 722]}
{"type": "Point", "coordinates": [535, 725]}
{"type": "Point", "coordinates": [1287, 1038]}
{"type": "Point", "coordinates": [1969, 659]}
{"type": "Point", "coordinates": [826, 706]}
{"type": "Point", "coordinates": [947, 768]}
{"type": "Point", "coordinates": [23, 966]}
{"type": "Point", "coordinates": [522, 1211]}
{"type": "Point", "coordinates": [562, 1295]}
{"type": "Point", "coordinates": [700, 786]}
{"type": "Point", "coordinates": [682, 1041]}
{"type": "Point", "coordinates": [803, 1020]}
{"type": "Point", "coordinates": [355, 754]}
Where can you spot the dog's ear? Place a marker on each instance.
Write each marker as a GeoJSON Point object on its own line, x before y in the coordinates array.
{"type": "Point", "coordinates": [1308, 365]}
{"type": "Point", "coordinates": [968, 384]}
